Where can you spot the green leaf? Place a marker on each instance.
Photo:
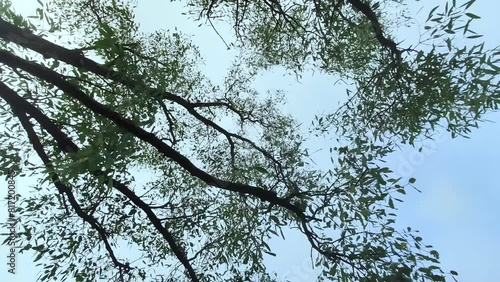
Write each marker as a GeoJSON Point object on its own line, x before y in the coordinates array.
{"type": "Point", "coordinates": [431, 13]}
{"type": "Point", "coordinates": [468, 4]}
{"type": "Point", "coordinates": [38, 257]}
{"type": "Point", "coordinates": [472, 16]}
{"type": "Point", "coordinates": [391, 203]}
{"type": "Point", "coordinates": [474, 36]}
{"type": "Point", "coordinates": [260, 169]}
{"type": "Point", "coordinates": [104, 43]}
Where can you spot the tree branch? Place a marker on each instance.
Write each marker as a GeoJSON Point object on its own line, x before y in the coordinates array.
{"type": "Point", "coordinates": [57, 80]}
{"type": "Point", "coordinates": [62, 188]}
{"type": "Point", "coordinates": [22, 107]}
{"type": "Point", "coordinates": [377, 27]}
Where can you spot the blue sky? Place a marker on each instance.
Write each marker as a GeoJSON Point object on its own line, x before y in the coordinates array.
{"type": "Point", "coordinates": [457, 211]}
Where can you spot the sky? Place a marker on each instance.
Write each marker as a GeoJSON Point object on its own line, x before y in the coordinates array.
{"type": "Point", "coordinates": [457, 210]}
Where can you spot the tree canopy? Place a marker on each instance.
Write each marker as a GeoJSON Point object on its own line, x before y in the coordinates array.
{"type": "Point", "coordinates": [90, 105]}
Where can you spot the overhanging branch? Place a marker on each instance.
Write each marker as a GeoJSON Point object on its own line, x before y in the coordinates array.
{"type": "Point", "coordinates": [46, 48]}
{"type": "Point", "coordinates": [57, 80]}
{"type": "Point", "coordinates": [20, 108]}
{"type": "Point", "coordinates": [366, 10]}
{"type": "Point", "coordinates": [62, 188]}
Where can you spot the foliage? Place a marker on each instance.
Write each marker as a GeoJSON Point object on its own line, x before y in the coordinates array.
{"type": "Point", "coordinates": [100, 103]}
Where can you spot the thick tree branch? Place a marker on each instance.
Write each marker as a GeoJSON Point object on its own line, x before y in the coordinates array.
{"type": "Point", "coordinates": [57, 80]}
{"type": "Point", "coordinates": [63, 141]}
{"type": "Point", "coordinates": [46, 48]}
{"type": "Point", "coordinates": [22, 107]}
{"type": "Point", "coordinates": [366, 10]}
